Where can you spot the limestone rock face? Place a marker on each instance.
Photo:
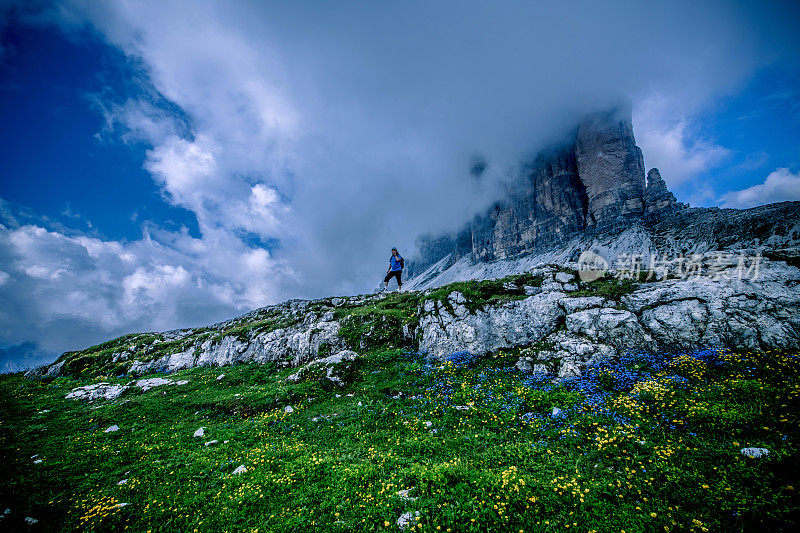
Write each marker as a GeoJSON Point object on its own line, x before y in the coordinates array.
{"type": "Point", "coordinates": [611, 168]}
{"type": "Point", "coordinates": [657, 198]}
{"type": "Point", "coordinates": [292, 345]}
{"type": "Point", "coordinates": [543, 207]}
{"type": "Point", "coordinates": [451, 327]}
{"type": "Point", "coordinates": [760, 312]}
{"type": "Point", "coordinates": [592, 183]}
{"type": "Point", "coordinates": [616, 327]}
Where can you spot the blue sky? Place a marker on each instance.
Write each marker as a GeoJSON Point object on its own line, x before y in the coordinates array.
{"type": "Point", "coordinates": [59, 160]}
{"type": "Point", "coordinates": [169, 164]}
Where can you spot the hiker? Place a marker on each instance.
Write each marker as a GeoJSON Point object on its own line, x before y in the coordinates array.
{"type": "Point", "coordinates": [396, 265]}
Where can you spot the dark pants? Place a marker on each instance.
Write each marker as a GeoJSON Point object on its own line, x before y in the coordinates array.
{"type": "Point", "coordinates": [394, 273]}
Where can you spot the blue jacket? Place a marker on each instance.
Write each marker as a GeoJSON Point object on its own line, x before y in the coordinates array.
{"type": "Point", "coordinates": [395, 263]}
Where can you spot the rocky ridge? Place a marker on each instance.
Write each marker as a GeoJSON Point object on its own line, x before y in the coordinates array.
{"type": "Point", "coordinates": [562, 321]}
{"type": "Point", "coordinates": [725, 310]}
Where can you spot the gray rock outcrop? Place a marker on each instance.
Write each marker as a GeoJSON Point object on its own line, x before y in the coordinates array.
{"type": "Point", "coordinates": [448, 327]}
{"type": "Point", "coordinates": [335, 368]}
{"type": "Point", "coordinates": [726, 310]}
{"type": "Point", "coordinates": [290, 346]}
{"type": "Point", "coordinates": [611, 168]}
{"type": "Point", "coordinates": [658, 200]}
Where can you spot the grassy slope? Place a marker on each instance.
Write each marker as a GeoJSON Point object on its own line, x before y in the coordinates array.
{"type": "Point", "coordinates": [649, 444]}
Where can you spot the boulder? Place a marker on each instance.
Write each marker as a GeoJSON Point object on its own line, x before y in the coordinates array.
{"type": "Point", "coordinates": [754, 453]}
{"type": "Point", "coordinates": [573, 305]}
{"type": "Point", "coordinates": [407, 520]}
{"type": "Point", "coordinates": [564, 277]}
{"type": "Point", "coordinates": [448, 329]}
{"type": "Point", "coordinates": [337, 368]}
{"type": "Point", "coordinates": [97, 391]}
{"type": "Point", "coordinates": [615, 327]}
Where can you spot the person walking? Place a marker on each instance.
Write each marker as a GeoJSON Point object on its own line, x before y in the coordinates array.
{"type": "Point", "coordinates": [396, 265]}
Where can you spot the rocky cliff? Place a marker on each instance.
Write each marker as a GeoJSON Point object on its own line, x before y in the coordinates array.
{"type": "Point", "coordinates": [672, 231]}
{"type": "Point", "coordinates": [594, 183]}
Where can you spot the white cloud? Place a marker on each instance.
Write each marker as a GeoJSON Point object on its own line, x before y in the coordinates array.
{"type": "Point", "coordinates": [670, 143]}
{"type": "Point", "coordinates": [71, 291]}
{"type": "Point", "coordinates": [780, 186]}
{"type": "Point", "coordinates": [187, 170]}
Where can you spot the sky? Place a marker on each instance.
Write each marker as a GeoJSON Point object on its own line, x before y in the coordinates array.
{"type": "Point", "coordinates": [168, 164]}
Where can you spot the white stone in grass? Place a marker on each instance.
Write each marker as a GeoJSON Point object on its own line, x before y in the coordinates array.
{"type": "Point", "coordinates": [428, 424]}
{"type": "Point", "coordinates": [462, 407]}
{"type": "Point", "coordinates": [122, 481]}
{"type": "Point", "coordinates": [405, 520]}
{"type": "Point", "coordinates": [403, 494]}
{"type": "Point", "coordinates": [240, 470]}
{"type": "Point", "coordinates": [359, 404]}
{"type": "Point", "coordinates": [96, 391]}
{"type": "Point", "coordinates": [225, 442]}
{"type": "Point", "coordinates": [563, 277]}
{"type": "Point", "coordinates": [288, 409]}
{"type": "Point", "coordinates": [30, 521]}
{"type": "Point", "coordinates": [209, 443]}
{"type": "Point", "coordinates": [200, 432]}
{"type": "Point", "coordinates": [149, 383]}
{"type": "Point", "coordinates": [556, 412]}
{"type": "Point", "coordinates": [754, 453]}
{"type": "Point", "coordinates": [112, 429]}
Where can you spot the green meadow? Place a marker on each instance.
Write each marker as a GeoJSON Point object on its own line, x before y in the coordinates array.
{"type": "Point", "coordinates": [649, 442]}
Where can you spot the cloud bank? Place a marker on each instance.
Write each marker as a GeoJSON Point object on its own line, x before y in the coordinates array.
{"type": "Point", "coordinates": [780, 186]}
{"type": "Point", "coordinates": [308, 138]}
